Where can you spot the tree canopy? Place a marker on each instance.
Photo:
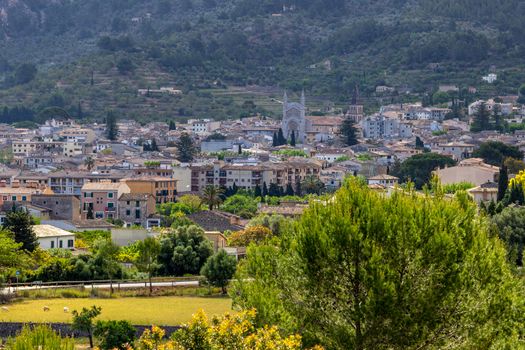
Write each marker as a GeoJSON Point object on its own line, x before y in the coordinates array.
{"type": "Point", "coordinates": [495, 152]}
{"type": "Point", "coordinates": [366, 271]}
{"type": "Point", "coordinates": [419, 168]}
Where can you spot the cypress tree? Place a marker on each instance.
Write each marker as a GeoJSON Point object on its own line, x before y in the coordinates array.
{"type": "Point", "coordinates": [274, 140]}
{"type": "Point", "coordinates": [264, 189]}
{"type": "Point", "coordinates": [298, 190]}
{"type": "Point", "coordinates": [239, 150]}
{"type": "Point", "coordinates": [281, 140]}
{"type": "Point", "coordinates": [289, 190]}
{"type": "Point", "coordinates": [20, 223]}
{"type": "Point", "coordinates": [503, 182]}
{"type": "Point", "coordinates": [292, 140]}
{"type": "Point", "coordinates": [257, 192]}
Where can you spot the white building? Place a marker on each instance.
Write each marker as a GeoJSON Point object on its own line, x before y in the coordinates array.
{"type": "Point", "coordinates": [50, 237]}
{"type": "Point", "coordinates": [505, 108]}
{"type": "Point", "coordinates": [490, 78]}
{"type": "Point", "coordinates": [379, 127]}
{"type": "Point", "coordinates": [383, 180]}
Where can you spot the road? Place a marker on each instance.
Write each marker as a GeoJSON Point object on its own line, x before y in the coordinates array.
{"type": "Point", "coordinates": [125, 285]}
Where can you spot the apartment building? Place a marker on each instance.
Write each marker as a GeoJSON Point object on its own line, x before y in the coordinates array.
{"type": "Point", "coordinates": [102, 199]}
{"type": "Point", "coordinates": [137, 209]}
{"type": "Point", "coordinates": [163, 189]}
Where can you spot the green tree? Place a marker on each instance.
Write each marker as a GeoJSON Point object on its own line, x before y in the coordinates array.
{"type": "Point", "coordinates": [419, 143]}
{"type": "Point", "coordinates": [111, 126]}
{"type": "Point", "coordinates": [292, 139]}
{"type": "Point", "coordinates": [115, 334]}
{"type": "Point", "coordinates": [419, 168]}
{"type": "Point", "coordinates": [510, 224]}
{"type": "Point", "coordinates": [89, 162]}
{"type": "Point", "coordinates": [90, 215]}
{"type": "Point", "coordinates": [281, 140]}
{"type": "Point", "coordinates": [242, 205]}
{"type": "Point", "coordinates": [147, 259]}
{"type": "Point", "coordinates": [184, 251]}
{"type": "Point", "coordinates": [367, 271]}
{"type": "Point", "coordinates": [219, 269]}
{"type": "Point", "coordinates": [11, 256]}
{"type": "Point", "coordinates": [349, 132]}
{"type": "Point", "coordinates": [105, 258]}
{"type": "Point", "coordinates": [481, 119]}
{"type": "Point", "coordinates": [20, 223]}
{"type": "Point", "coordinates": [211, 196]}
{"type": "Point", "coordinates": [312, 185]}
{"type": "Point", "coordinates": [185, 148]}
{"type": "Point", "coordinates": [125, 65]}
{"type": "Point", "coordinates": [503, 182]}
{"type": "Point", "coordinates": [83, 321]}
{"type": "Point", "coordinates": [172, 125]}
{"type": "Point", "coordinates": [495, 152]}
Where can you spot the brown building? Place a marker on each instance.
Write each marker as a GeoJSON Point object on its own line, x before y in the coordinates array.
{"type": "Point", "coordinates": [137, 209]}
{"type": "Point", "coordinates": [163, 189]}
{"type": "Point", "coordinates": [60, 206]}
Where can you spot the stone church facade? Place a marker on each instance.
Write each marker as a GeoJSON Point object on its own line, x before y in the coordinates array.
{"type": "Point", "coordinates": [294, 119]}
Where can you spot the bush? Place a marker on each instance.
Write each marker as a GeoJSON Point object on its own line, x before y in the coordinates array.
{"type": "Point", "coordinates": [40, 337]}
{"type": "Point", "coordinates": [242, 205]}
{"type": "Point", "coordinates": [114, 334]}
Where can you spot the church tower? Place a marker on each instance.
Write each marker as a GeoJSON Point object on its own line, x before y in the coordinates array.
{"type": "Point", "coordinates": [355, 110]}
{"type": "Point", "coordinates": [294, 118]}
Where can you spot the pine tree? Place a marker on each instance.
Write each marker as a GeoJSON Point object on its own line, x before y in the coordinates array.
{"type": "Point", "coordinates": [289, 190]}
{"type": "Point", "coordinates": [274, 140]}
{"type": "Point", "coordinates": [503, 182]}
{"type": "Point", "coordinates": [153, 146]}
{"type": "Point", "coordinates": [172, 125]}
{"type": "Point", "coordinates": [349, 132]}
{"type": "Point", "coordinates": [257, 192]}
{"type": "Point", "coordinates": [20, 223]}
{"type": "Point", "coordinates": [292, 139]}
{"type": "Point", "coordinates": [111, 126]}
{"type": "Point", "coordinates": [481, 119]}
{"type": "Point", "coordinates": [264, 189]}
{"type": "Point", "coordinates": [281, 140]}
{"type": "Point", "coordinates": [186, 149]}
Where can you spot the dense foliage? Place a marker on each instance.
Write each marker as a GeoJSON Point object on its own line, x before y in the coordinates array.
{"type": "Point", "coordinates": [418, 168]}
{"type": "Point", "coordinates": [401, 272]}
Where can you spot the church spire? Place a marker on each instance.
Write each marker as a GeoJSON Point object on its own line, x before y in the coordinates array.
{"type": "Point", "coordinates": [303, 100]}
{"type": "Point", "coordinates": [285, 98]}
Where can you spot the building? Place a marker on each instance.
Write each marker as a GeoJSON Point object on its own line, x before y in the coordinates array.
{"type": "Point", "coordinates": [456, 150]}
{"type": "Point", "coordinates": [60, 206]}
{"type": "Point", "coordinates": [487, 192]}
{"type": "Point", "coordinates": [51, 237]}
{"type": "Point", "coordinates": [490, 78]}
{"type": "Point", "coordinates": [355, 110]}
{"type": "Point", "coordinates": [383, 180]}
{"type": "Point", "coordinates": [504, 108]}
{"type": "Point", "coordinates": [163, 189]}
{"type": "Point", "coordinates": [380, 127]}
{"type": "Point", "coordinates": [73, 148]}
{"type": "Point", "coordinates": [19, 195]}
{"type": "Point", "coordinates": [101, 199]}
{"type": "Point", "coordinates": [294, 120]}
{"type": "Point", "coordinates": [472, 170]}
{"type": "Point", "coordinates": [138, 209]}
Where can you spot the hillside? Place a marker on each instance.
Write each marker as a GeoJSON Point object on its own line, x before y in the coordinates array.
{"type": "Point", "coordinates": [90, 56]}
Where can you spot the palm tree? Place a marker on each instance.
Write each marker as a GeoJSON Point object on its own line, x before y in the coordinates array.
{"type": "Point", "coordinates": [212, 196]}
{"type": "Point", "coordinates": [89, 163]}
{"type": "Point", "coordinates": [311, 184]}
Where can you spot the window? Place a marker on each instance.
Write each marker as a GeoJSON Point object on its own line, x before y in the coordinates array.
{"type": "Point", "coordinates": [137, 214]}
{"type": "Point", "coordinates": [137, 204]}
{"type": "Point", "coordinates": [110, 194]}
{"type": "Point", "coordinates": [128, 203]}
{"type": "Point", "coordinates": [110, 204]}
{"type": "Point", "coordinates": [13, 198]}
{"type": "Point", "coordinates": [70, 243]}
{"type": "Point", "coordinates": [128, 212]}
{"type": "Point", "coordinates": [60, 244]}
{"type": "Point", "coordinates": [24, 198]}
{"type": "Point", "coordinates": [52, 244]}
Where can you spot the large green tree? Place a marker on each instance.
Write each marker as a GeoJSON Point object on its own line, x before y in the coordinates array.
{"type": "Point", "coordinates": [481, 119]}
{"type": "Point", "coordinates": [111, 126]}
{"type": "Point", "coordinates": [495, 152]}
{"type": "Point", "coordinates": [419, 168]}
{"type": "Point", "coordinates": [83, 321]}
{"type": "Point", "coordinates": [20, 223]}
{"type": "Point", "coordinates": [219, 269]}
{"type": "Point", "coordinates": [11, 256]}
{"type": "Point", "coordinates": [212, 196]}
{"type": "Point", "coordinates": [186, 149]}
{"type": "Point", "coordinates": [367, 271]}
{"type": "Point", "coordinates": [510, 224]}
{"type": "Point", "coordinates": [147, 259]}
{"type": "Point", "coordinates": [349, 132]}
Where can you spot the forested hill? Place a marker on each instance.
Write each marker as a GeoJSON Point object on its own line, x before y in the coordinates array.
{"type": "Point", "coordinates": [324, 46]}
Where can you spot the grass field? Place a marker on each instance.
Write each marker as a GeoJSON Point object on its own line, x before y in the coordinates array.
{"type": "Point", "coordinates": [167, 311]}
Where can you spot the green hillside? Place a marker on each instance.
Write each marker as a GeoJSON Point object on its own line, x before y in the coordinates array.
{"type": "Point", "coordinates": [233, 58]}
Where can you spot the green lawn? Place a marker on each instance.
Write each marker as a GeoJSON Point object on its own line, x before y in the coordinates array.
{"type": "Point", "coordinates": [167, 311]}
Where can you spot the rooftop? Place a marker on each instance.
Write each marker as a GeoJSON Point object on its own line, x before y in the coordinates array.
{"type": "Point", "coordinates": [44, 231]}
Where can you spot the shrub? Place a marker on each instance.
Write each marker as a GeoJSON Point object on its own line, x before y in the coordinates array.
{"type": "Point", "coordinates": [40, 337]}
{"type": "Point", "coordinates": [114, 334]}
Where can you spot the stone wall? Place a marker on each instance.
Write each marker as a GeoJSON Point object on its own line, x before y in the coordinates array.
{"type": "Point", "coordinates": [11, 329]}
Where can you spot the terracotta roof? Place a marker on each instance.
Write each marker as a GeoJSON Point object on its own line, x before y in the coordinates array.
{"type": "Point", "coordinates": [213, 221]}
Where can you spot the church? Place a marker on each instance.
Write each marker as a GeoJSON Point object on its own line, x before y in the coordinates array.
{"type": "Point", "coordinates": [310, 129]}
{"type": "Point", "coordinates": [294, 118]}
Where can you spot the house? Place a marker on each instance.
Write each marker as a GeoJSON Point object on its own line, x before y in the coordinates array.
{"type": "Point", "coordinates": [484, 193]}
{"type": "Point", "coordinates": [218, 239]}
{"type": "Point", "coordinates": [490, 78]}
{"type": "Point", "coordinates": [456, 150]}
{"type": "Point", "coordinates": [137, 209]}
{"type": "Point", "coordinates": [102, 199]}
{"type": "Point", "coordinates": [50, 237]}
{"type": "Point", "coordinates": [472, 170]}
{"type": "Point", "coordinates": [60, 206]}
{"type": "Point", "coordinates": [163, 189]}
{"type": "Point", "coordinates": [383, 180]}
{"type": "Point", "coordinates": [18, 195]}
